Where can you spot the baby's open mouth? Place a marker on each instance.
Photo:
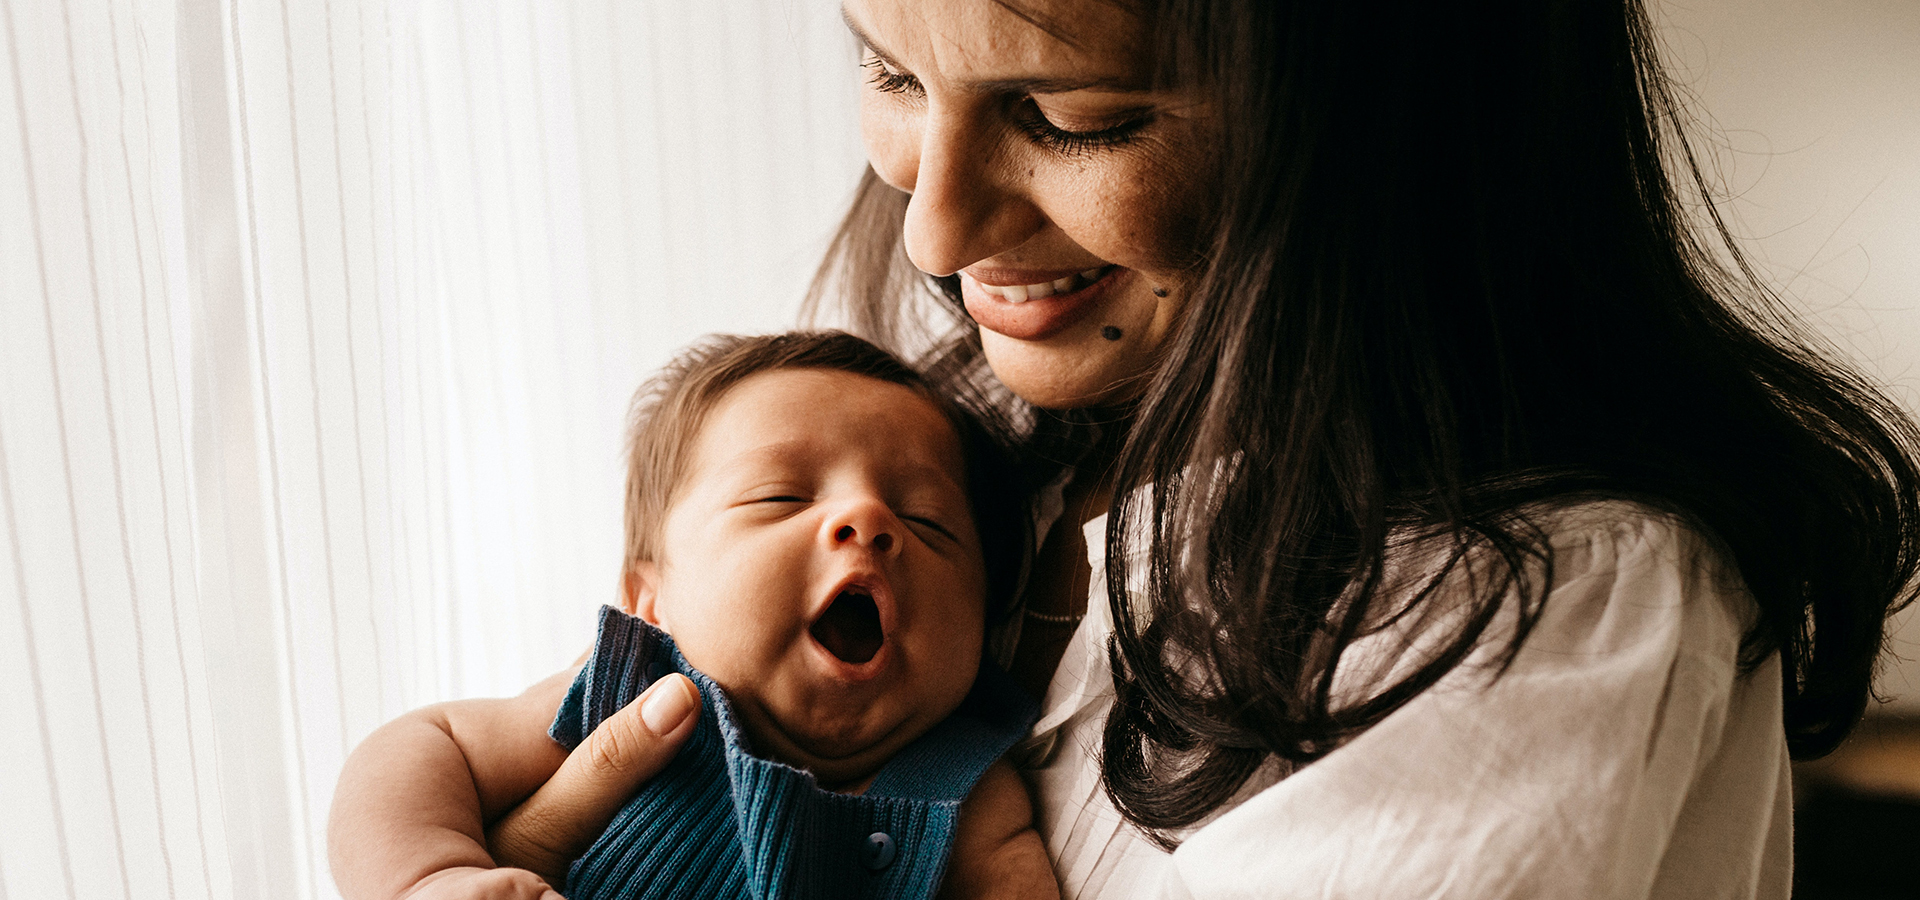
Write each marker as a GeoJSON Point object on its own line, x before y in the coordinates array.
{"type": "Point", "coordinates": [850, 628]}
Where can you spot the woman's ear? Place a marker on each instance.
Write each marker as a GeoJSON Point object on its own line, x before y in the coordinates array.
{"type": "Point", "coordinates": [640, 589]}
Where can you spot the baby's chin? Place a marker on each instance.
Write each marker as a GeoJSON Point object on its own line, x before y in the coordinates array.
{"type": "Point", "coordinates": [842, 755]}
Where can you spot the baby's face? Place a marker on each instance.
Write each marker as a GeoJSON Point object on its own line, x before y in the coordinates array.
{"type": "Point", "coordinates": [820, 563]}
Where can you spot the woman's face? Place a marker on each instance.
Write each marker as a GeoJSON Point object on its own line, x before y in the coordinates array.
{"type": "Point", "coordinates": [1047, 173]}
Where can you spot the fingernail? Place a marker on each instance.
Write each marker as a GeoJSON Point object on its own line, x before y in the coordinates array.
{"type": "Point", "coordinates": [666, 706]}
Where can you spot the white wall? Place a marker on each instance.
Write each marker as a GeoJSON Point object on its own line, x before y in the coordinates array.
{"type": "Point", "coordinates": [1813, 108]}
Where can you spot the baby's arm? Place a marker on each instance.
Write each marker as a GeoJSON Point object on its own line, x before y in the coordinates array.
{"type": "Point", "coordinates": [410, 811]}
{"type": "Point", "coordinates": [996, 851]}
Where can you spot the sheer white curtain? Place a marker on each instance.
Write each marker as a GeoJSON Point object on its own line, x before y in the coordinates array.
{"type": "Point", "coordinates": [317, 323]}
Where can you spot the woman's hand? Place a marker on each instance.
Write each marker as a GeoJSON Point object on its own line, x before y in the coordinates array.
{"type": "Point", "coordinates": [561, 820]}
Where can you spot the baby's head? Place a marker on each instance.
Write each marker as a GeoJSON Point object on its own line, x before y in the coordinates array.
{"type": "Point", "coordinates": [801, 517]}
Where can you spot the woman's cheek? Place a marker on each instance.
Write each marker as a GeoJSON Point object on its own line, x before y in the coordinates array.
{"type": "Point", "coordinates": [892, 149]}
{"type": "Point", "coordinates": [1126, 215]}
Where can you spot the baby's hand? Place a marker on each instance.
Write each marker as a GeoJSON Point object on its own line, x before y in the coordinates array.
{"type": "Point", "coordinates": [469, 883]}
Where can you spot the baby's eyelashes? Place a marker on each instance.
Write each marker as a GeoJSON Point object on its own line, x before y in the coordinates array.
{"type": "Point", "coordinates": [932, 524]}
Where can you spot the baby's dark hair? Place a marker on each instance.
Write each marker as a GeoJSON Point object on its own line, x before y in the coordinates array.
{"type": "Point", "coordinates": [672, 406]}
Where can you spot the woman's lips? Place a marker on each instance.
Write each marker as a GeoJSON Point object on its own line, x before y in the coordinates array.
{"type": "Point", "coordinates": [1037, 317]}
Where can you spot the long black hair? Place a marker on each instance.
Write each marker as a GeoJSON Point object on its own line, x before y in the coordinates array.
{"type": "Point", "coordinates": [1453, 281]}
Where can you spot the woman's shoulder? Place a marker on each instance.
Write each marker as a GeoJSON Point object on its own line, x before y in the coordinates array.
{"type": "Point", "coordinates": [1620, 751]}
{"type": "Point", "coordinates": [1610, 533]}
{"type": "Point", "coordinates": [1570, 541]}
{"type": "Point", "coordinates": [1621, 575]}
{"type": "Point", "coordinates": [1626, 525]}
{"type": "Point", "coordinates": [1612, 579]}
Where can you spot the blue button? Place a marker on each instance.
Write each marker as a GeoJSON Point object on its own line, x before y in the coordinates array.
{"type": "Point", "coordinates": [879, 850]}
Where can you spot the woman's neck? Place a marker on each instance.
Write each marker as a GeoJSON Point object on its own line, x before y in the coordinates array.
{"type": "Point", "coordinates": [1090, 493]}
{"type": "Point", "coordinates": [1056, 595]}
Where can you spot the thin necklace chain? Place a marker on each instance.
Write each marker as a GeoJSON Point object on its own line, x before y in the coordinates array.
{"type": "Point", "coordinates": [1068, 619]}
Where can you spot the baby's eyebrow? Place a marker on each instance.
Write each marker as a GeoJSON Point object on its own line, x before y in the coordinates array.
{"type": "Point", "coordinates": [799, 452]}
{"type": "Point", "coordinates": [935, 473]}
{"type": "Point", "coordinates": [778, 453]}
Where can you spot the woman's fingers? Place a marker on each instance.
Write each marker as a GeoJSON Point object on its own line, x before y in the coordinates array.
{"type": "Point", "coordinates": [557, 824]}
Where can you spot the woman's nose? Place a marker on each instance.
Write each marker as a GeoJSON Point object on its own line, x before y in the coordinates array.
{"type": "Point", "coordinates": [971, 200]}
{"type": "Point", "coordinates": [867, 524]}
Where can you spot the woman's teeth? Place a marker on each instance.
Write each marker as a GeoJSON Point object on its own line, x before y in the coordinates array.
{"type": "Point", "coordinates": [1021, 293]}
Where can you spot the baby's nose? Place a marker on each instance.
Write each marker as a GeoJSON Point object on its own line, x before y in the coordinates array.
{"type": "Point", "coordinates": [864, 522]}
{"type": "Point", "coordinates": [882, 541]}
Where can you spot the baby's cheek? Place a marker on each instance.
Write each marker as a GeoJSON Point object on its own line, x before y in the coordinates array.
{"type": "Point", "coordinates": [731, 660]}
{"type": "Point", "coordinates": [957, 658]}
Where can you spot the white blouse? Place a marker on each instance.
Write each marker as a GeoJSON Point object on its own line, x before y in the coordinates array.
{"type": "Point", "coordinates": [1622, 755]}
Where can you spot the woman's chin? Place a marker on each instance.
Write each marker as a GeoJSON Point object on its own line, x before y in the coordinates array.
{"type": "Point", "coordinates": [1067, 371]}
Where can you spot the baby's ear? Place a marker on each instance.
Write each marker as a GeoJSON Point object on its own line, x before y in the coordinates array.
{"type": "Point", "coordinates": [641, 589]}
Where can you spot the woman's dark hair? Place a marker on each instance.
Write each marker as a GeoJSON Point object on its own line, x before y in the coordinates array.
{"type": "Point", "coordinates": [669, 410]}
{"type": "Point", "coordinates": [1452, 284]}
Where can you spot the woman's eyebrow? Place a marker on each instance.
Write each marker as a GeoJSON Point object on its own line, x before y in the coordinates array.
{"type": "Point", "coordinates": [1101, 83]}
{"type": "Point", "coordinates": [861, 34]}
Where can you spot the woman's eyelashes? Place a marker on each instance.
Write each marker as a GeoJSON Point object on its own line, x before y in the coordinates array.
{"type": "Point", "coordinates": [1026, 114]}
{"type": "Point", "coordinates": [887, 81]}
{"type": "Point", "coordinates": [1068, 142]}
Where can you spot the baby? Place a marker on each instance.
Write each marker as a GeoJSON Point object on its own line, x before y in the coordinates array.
{"type": "Point", "coordinates": [802, 542]}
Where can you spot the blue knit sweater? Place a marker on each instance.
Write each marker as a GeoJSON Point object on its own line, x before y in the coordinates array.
{"type": "Point", "coordinates": [721, 822]}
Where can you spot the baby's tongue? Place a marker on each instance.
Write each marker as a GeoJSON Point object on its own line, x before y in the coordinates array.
{"type": "Point", "coordinates": [850, 629]}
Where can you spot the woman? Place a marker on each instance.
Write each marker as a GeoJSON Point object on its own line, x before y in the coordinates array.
{"type": "Point", "coordinates": [1455, 531]}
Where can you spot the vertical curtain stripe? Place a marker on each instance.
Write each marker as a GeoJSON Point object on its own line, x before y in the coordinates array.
{"type": "Point", "coordinates": [458, 613]}
{"type": "Point", "coordinates": [322, 507]}
{"type": "Point", "coordinates": [401, 571]}
{"type": "Point", "coordinates": [66, 454]}
{"type": "Point", "coordinates": [292, 693]}
{"type": "Point", "coordinates": [30, 641]}
{"type": "Point", "coordinates": [514, 407]}
{"type": "Point", "coordinates": [26, 614]}
{"type": "Point", "coordinates": [159, 453]}
{"type": "Point", "coordinates": [353, 379]}
{"type": "Point", "coordinates": [410, 328]}
{"type": "Point", "coordinates": [114, 445]}
{"type": "Point", "coordinates": [511, 266]}
{"type": "Point", "coordinates": [59, 823]}
{"type": "Point", "coordinates": [428, 264]}
{"type": "Point", "coordinates": [567, 445]}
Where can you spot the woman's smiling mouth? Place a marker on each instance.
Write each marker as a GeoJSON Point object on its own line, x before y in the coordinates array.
{"type": "Point", "coordinates": [1021, 293]}
{"type": "Point", "coordinates": [1032, 312]}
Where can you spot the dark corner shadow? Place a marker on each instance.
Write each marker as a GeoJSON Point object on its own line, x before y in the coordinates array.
{"type": "Point", "coordinates": [1856, 818]}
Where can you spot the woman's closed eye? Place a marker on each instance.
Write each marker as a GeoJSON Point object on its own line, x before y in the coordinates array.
{"type": "Point", "coordinates": [1027, 114]}
{"type": "Point", "coordinates": [1044, 131]}
{"type": "Point", "coordinates": [887, 81]}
